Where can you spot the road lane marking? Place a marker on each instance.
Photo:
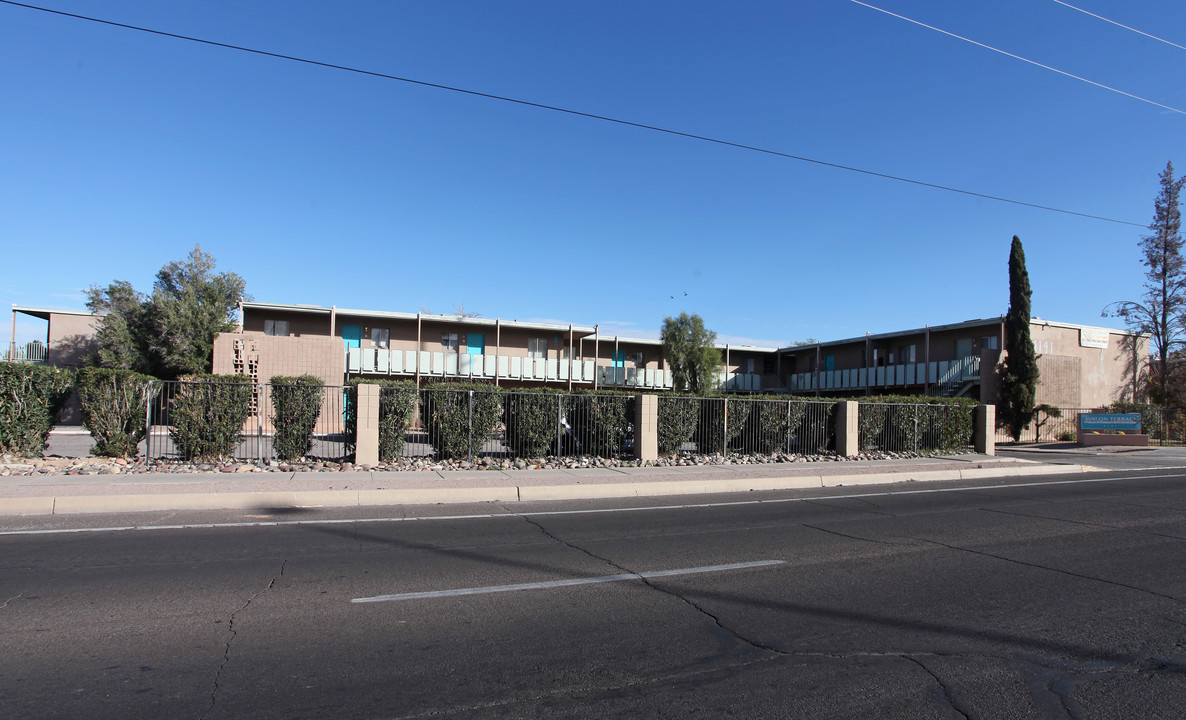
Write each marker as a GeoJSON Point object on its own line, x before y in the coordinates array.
{"type": "Point", "coordinates": [588, 511]}
{"type": "Point", "coordinates": [622, 577]}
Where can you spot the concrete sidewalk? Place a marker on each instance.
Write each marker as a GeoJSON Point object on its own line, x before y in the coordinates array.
{"type": "Point", "coordinates": [57, 494]}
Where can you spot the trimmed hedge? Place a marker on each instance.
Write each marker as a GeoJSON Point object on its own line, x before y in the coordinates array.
{"type": "Point", "coordinates": [296, 403]}
{"type": "Point", "coordinates": [600, 421]}
{"type": "Point", "coordinates": [721, 422]}
{"type": "Point", "coordinates": [677, 422]}
{"type": "Point", "coordinates": [397, 408]}
{"type": "Point", "coordinates": [532, 420]}
{"type": "Point", "coordinates": [455, 432]}
{"type": "Point", "coordinates": [926, 423]}
{"type": "Point", "coordinates": [31, 398]}
{"type": "Point", "coordinates": [112, 404]}
{"type": "Point", "coordinates": [775, 422]}
{"type": "Point", "coordinates": [207, 415]}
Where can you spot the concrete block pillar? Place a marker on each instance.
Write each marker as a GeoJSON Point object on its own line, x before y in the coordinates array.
{"type": "Point", "coordinates": [848, 435]}
{"type": "Point", "coordinates": [646, 427]}
{"type": "Point", "coordinates": [366, 448]}
{"type": "Point", "coordinates": [984, 437]}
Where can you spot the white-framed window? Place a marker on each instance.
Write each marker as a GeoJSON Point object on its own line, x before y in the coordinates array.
{"type": "Point", "coordinates": [276, 327]}
{"type": "Point", "coordinates": [537, 348]}
{"type": "Point", "coordinates": [380, 337]}
{"type": "Point", "coordinates": [449, 342]}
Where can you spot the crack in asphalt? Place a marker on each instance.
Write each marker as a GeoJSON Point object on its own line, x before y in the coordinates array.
{"type": "Point", "coordinates": [741, 638]}
{"type": "Point", "coordinates": [947, 694]}
{"type": "Point", "coordinates": [1069, 573]}
{"type": "Point", "coordinates": [853, 537]}
{"type": "Point", "coordinates": [226, 652]}
{"type": "Point", "coordinates": [1085, 522]}
{"type": "Point", "coordinates": [14, 597]}
{"type": "Point", "coordinates": [879, 512]}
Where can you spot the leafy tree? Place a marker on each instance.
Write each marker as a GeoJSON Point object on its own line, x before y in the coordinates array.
{"type": "Point", "coordinates": [689, 350]}
{"type": "Point", "coordinates": [121, 331]}
{"type": "Point", "coordinates": [1019, 372]}
{"type": "Point", "coordinates": [171, 332]}
{"type": "Point", "coordinates": [1162, 311]}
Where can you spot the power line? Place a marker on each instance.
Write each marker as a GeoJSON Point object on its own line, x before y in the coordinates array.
{"type": "Point", "coordinates": [1023, 59]}
{"type": "Point", "coordinates": [1121, 25]}
{"type": "Point", "coordinates": [577, 113]}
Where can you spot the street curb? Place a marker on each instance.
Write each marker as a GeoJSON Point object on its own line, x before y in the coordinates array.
{"type": "Point", "coordinates": [82, 504]}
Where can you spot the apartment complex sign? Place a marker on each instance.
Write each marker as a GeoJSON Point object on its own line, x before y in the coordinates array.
{"type": "Point", "coordinates": [1093, 338]}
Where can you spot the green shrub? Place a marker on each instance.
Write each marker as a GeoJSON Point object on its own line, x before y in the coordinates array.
{"type": "Point", "coordinates": [31, 397]}
{"type": "Point", "coordinates": [296, 403]}
{"type": "Point", "coordinates": [721, 422]}
{"type": "Point", "coordinates": [1067, 436]}
{"type": "Point", "coordinates": [870, 425]}
{"type": "Point", "coordinates": [112, 404]}
{"type": "Point", "coordinates": [816, 432]}
{"type": "Point", "coordinates": [600, 421]}
{"type": "Point", "coordinates": [397, 408]}
{"type": "Point", "coordinates": [532, 422]}
{"type": "Point", "coordinates": [207, 415]}
{"type": "Point", "coordinates": [677, 422]}
{"type": "Point", "coordinates": [915, 422]}
{"type": "Point", "coordinates": [773, 423]}
{"type": "Point", "coordinates": [461, 417]}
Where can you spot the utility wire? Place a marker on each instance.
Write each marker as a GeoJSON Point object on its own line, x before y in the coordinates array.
{"type": "Point", "coordinates": [1121, 25]}
{"type": "Point", "coordinates": [567, 111]}
{"type": "Point", "coordinates": [1018, 57]}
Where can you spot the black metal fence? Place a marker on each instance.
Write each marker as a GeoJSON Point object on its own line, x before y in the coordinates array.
{"type": "Point", "coordinates": [915, 428]}
{"type": "Point", "coordinates": [240, 421]}
{"type": "Point", "coordinates": [1165, 427]}
{"type": "Point", "coordinates": [240, 417]}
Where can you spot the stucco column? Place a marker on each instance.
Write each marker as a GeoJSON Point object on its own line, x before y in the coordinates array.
{"type": "Point", "coordinates": [984, 437]}
{"type": "Point", "coordinates": [848, 441]}
{"type": "Point", "coordinates": [646, 427]}
{"type": "Point", "coordinates": [366, 447]}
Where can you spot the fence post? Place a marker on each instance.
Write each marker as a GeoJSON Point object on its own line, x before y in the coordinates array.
{"type": "Point", "coordinates": [559, 425]}
{"type": "Point", "coordinates": [148, 422]}
{"type": "Point", "coordinates": [848, 440]}
{"type": "Point", "coordinates": [366, 448]}
{"type": "Point", "coordinates": [725, 428]}
{"type": "Point", "coordinates": [646, 427]}
{"type": "Point", "coordinates": [984, 437]}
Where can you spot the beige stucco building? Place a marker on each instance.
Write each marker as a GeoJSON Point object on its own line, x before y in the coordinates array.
{"type": "Point", "coordinates": [339, 343]}
{"type": "Point", "coordinates": [1081, 366]}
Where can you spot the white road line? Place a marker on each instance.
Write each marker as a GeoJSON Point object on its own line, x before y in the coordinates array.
{"type": "Point", "coordinates": [563, 583]}
{"type": "Point", "coordinates": [589, 511]}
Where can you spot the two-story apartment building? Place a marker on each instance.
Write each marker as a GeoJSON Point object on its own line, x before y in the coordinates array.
{"type": "Point", "coordinates": [1080, 366]}
{"type": "Point", "coordinates": [338, 343]}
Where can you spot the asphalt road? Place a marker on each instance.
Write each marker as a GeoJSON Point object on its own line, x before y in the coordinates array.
{"type": "Point", "coordinates": [1056, 599]}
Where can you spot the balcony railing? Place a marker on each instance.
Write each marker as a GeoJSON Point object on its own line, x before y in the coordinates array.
{"type": "Point", "coordinates": [382, 361]}
{"type": "Point", "coordinates": [936, 373]}
{"type": "Point", "coordinates": [27, 353]}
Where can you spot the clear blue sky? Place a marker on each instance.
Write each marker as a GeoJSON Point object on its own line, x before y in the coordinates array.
{"type": "Point", "coordinates": [122, 150]}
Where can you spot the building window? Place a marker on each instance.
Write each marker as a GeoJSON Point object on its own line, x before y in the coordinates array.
{"type": "Point", "coordinates": [907, 353]}
{"type": "Point", "coordinates": [537, 348]}
{"type": "Point", "coordinates": [636, 360]}
{"type": "Point", "coordinates": [380, 337]}
{"type": "Point", "coordinates": [276, 327]}
{"type": "Point", "coordinates": [449, 342]}
{"type": "Point", "coordinates": [989, 342]}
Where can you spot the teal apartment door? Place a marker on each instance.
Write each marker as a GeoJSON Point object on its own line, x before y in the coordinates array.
{"type": "Point", "coordinates": [475, 344]}
{"type": "Point", "coordinates": [352, 334]}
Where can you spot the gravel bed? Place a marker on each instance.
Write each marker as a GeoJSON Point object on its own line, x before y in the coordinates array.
{"type": "Point", "coordinates": [10, 466]}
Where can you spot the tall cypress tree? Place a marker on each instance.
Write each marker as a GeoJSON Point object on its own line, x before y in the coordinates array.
{"type": "Point", "coordinates": [1019, 372]}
